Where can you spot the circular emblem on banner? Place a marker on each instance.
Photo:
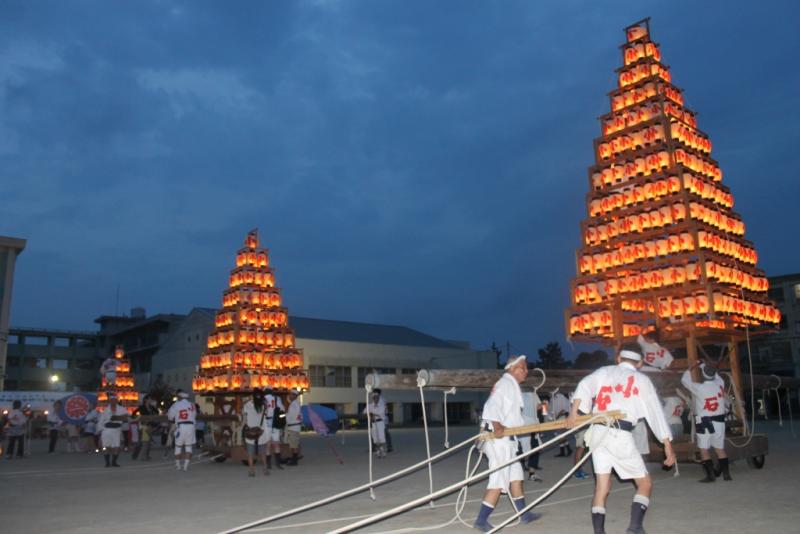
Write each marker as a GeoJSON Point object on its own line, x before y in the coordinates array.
{"type": "Point", "coordinates": [75, 407]}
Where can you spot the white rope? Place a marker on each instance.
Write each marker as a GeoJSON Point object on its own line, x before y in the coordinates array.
{"type": "Point", "coordinates": [453, 487]}
{"type": "Point", "coordinates": [791, 417]}
{"type": "Point", "coordinates": [350, 492]}
{"type": "Point", "coordinates": [764, 401]}
{"type": "Point", "coordinates": [544, 379]}
{"type": "Point", "coordinates": [420, 385]}
{"type": "Point", "coordinates": [451, 391]}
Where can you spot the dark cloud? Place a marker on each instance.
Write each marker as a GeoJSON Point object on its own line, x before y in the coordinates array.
{"type": "Point", "coordinates": [407, 162]}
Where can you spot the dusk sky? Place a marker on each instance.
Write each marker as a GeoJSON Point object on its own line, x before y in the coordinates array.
{"type": "Point", "coordinates": [414, 163]}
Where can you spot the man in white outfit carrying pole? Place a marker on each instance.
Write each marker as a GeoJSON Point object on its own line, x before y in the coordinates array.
{"type": "Point", "coordinates": [621, 387]}
{"type": "Point", "coordinates": [502, 410]}
{"type": "Point", "coordinates": [183, 415]}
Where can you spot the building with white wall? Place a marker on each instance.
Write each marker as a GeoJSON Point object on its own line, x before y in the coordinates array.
{"type": "Point", "coordinates": [338, 355]}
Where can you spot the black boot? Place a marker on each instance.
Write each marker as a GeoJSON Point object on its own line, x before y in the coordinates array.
{"type": "Point", "coordinates": [723, 469]}
{"type": "Point", "coordinates": [108, 459]}
{"type": "Point", "coordinates": [708, 467]}
{"type": "Point", "coordinates": [599, 522]}
{"type": "Point", "coordinates": [569, 451]}
{"type": "Point", "coordinates": [269, 461]}
{"type": "Point", "coordinates": [293, 461]}
{"type": "Point", "coordinates": [278, 460]}
{"type": "Point", "coordinates": [561, 451]}
{"type": "Point", "coordinates": [114, 460]}
{"type": "Point", "coordinates": [638, 510]}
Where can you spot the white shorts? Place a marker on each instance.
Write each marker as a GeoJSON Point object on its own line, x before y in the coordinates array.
{"type": "Point", "coordinates": [580, 441]}
{"type": "Point", "coordinates": [273, 435]}
{"type": "Point", "coordinates": [716, 440]}
{"type": "Point", "coordinates": [184, 435]}
{"type": "Point", "coordinates": [111, 438]}
{"type": "Point", "coordinates": [615, 449]}
{"type": "Point", "coordinates": [378, 432]}
{"type": "Point", "coordinates": [499, 451]}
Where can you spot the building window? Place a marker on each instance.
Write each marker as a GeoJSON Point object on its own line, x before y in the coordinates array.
{"type": "Point", "coordinates": [364, 371]}
{"type": "Point", "coordinates": [61, 342]}
{"type": "Point", "coordinates": [36, 340]}
{"type": "Point", "coordinates": [86, 365]}
{"type": "Point", "coordinates": [13, 361]}
{"type": "Point", "coordinates": [59, 364]}
{"type": "Point", "coordinates": [330, 376]}
{"type": "Point", "coordinates": [86, 342]}
{"type": "Point", "coordinates": [35, 363]}
{"type": "Point", "coordinates": [459, 412]}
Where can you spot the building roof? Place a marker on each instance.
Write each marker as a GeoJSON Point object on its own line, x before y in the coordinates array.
{"type": "Point", "coordinates": [350, 331]}
{"type": "Point", "coordinates": [784, 278]}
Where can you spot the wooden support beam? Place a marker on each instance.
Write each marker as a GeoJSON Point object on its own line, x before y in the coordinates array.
{"type": "Point", "coordinates": [736, 376]}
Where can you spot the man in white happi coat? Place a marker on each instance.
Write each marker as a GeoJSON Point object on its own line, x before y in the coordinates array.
{"type": "Point", "coordinates": [108, 370]}
{"type": "Point", "coordinates": [621, 387]}
{"type": "Point", "coordinates": [708, 399]}
{"type": "Point", "coordinates": [654, 356]}
{"type": "Point", "coordinates": [530, 416]}
{"type": "Point", "coordinates": [376, 411]}
{"type": "Point", "coordinates": [109, 426]}
{"type": "Point", "coordinates": [183, 415]}
{"type": "Point", "coordinates": [272, 401]}
{"type": "Point", "coordinates": [254, 415]}
{"type": "Point", "coordinates": [503, 410]}
{"type": "Point", "coordinates": [294, 423]}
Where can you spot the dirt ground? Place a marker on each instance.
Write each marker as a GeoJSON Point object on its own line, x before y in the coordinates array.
{"type": "Point", "coordinates": [74, 493]}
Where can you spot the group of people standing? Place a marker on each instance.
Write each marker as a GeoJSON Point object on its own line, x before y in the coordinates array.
{"type": "Point", "coordinates": [621, 387]}
{"type": "Point", "coordinates": [267, 424]}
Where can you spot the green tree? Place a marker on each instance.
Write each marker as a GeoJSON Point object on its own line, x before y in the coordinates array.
{"type": "Point", "coordinates": [550, 357]}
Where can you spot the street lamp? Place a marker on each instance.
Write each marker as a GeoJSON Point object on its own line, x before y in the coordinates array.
{"type": "Point", "coordinates": [53, 379]}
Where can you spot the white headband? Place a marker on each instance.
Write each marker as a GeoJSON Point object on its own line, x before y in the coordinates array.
{"type": "Point", "coordinates": [630, 355]}
{"type": "Point", "coordinates": [511, 363]}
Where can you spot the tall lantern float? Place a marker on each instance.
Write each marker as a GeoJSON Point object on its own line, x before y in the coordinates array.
{"type": "Point", "coordinates": [682, 255]}
{"type": "Point", "coordinates": [251, 345]}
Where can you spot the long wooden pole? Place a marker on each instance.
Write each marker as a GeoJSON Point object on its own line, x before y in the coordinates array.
{"type": "Point", "coordinates": [736, 376]}
{"type": "Point", "coordinates": [550, 425]}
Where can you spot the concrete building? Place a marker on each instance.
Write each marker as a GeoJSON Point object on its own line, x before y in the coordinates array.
{"type": "Point", "coordinates": [338, 355]}
{"type": "Point", "coordinates": [36, 356]}
{"type": "Point", "coordinates": [140, 336]}
{"type": "Point", "coordinates": [10, 248]}
{"type": "Point", "coordinates": [779, 353]}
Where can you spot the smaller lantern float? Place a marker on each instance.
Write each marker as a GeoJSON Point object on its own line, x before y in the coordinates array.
{"type": "Point", "coordinates": [116, 378]}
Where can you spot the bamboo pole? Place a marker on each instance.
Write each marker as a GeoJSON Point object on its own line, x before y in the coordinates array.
{"type": "Point", "coordinates": [550, 425]}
